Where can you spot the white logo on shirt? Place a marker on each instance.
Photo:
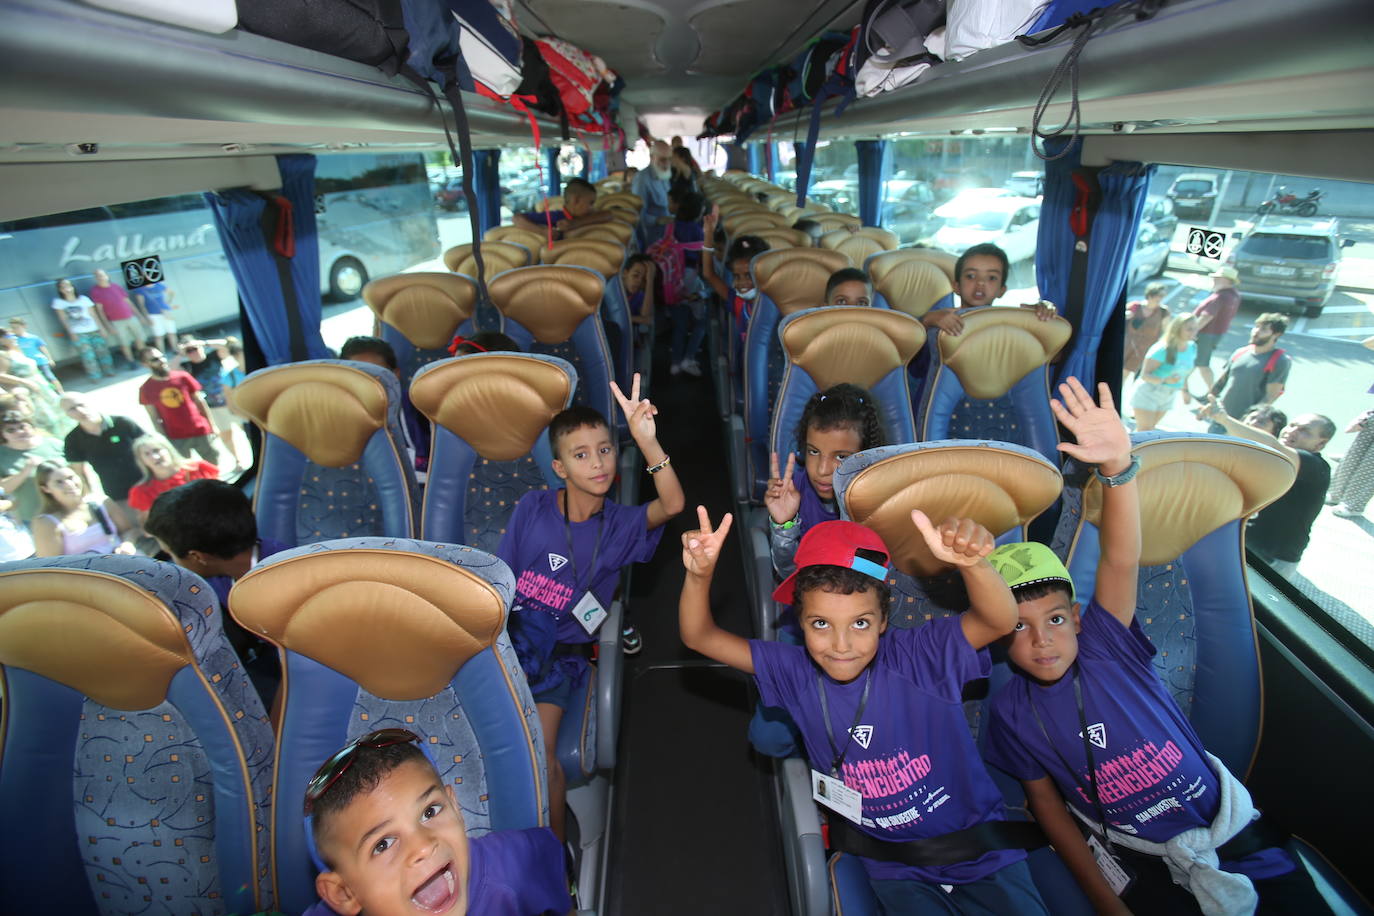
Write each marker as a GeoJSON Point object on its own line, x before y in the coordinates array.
{"type": "Point", "coordinates": [556, 562]}
{"type": "Point", "coordinates": [1097, 734]}
{"type": "Point", "coordinates": [862, 734]}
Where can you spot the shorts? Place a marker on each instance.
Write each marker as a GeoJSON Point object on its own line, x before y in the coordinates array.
{"type": "Point", "coordinates": [1206, 343]}
{"type": "Point", "coordinates": [161, 323]}
{"type": "Point", "coordinates": [128, 330]}
{"type": "Point", "coordinates": [223, 417]}
{"type": "Point", "coordinates": [564, 681]}
{"type": "Point", "coordinates": [1158, 398]}
{"type": "Point", "coordinates": [1010, 889]}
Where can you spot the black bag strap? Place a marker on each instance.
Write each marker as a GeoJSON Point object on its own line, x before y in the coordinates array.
{"type": "Point", "coordinates": [99, 512]}
{"type": "Point", "coordinates": [932, 852]}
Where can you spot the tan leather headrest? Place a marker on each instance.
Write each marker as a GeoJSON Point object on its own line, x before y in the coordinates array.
{"type": "Point", "coordinates": [882, 263]}
{"type": "Point", "coordinates": [887, 241]}
{"type": "Point", "coordinates": [462, 395]}
{"type": "Point", "coordinates": [549, 300]}
{"type": "Point", "coordinates": [98, 634]}
{"type": "Point", "coordinates": [782, 238]}
{"type": "Point", "coordinates": [852, 344]}
{"type": "Point", "coordinates": [754, 222]}
{"type": "Point", "coordinates": [614, 230]}
{"type": "Point", "coordinates": [1191, 487]}
{"type": "Point", "coordinates": [328, 411]}
{"type": "Point", "coordinates": [998, 488]}
{"type": "Point", "coordinates": [830, 222]}
{"type": "Point", "coordinates": [426, 308]}
{"type": "Point", "coordinates": [856, 247]}
{"type": "Point", "coordinates": [532, 241]}
{"type": "Point", "coordinates": [496, 256]}
{"type": "Point", "coordinates": [398, 624]}
{"type": "Point", "coordinates": [600, 255]}
{"type": "Point", "coordinates": [795, 278]}
{"type": "Point", "coordinates": [913, 286]}
{"type": "Point", "coordinates": [547, 204]}
{"type": "Point", "coordinates": [998, 346]}
{"type": "Point", "coordinates": [626, 199]}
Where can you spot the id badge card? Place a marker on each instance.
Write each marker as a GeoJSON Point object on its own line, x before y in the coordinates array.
{"type": "Point", "coordinates": [1118, 878]}
{"type": "Point", "coordinates": [831, 792]}
{"type": "Point", "coordinates": [589, 613]}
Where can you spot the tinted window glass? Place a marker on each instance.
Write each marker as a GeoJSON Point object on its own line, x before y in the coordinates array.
{"type": "Point", "coordinates": [1304, 247]}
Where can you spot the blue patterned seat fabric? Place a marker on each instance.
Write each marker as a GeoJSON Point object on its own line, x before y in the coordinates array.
{"type": "Point", "coordinates": [157, 816]}
{"type": "Point", "coordinates": [493, 490]}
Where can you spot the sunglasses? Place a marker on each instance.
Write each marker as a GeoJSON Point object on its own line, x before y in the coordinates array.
{"type": "Point", "coordinates": [336, 766]}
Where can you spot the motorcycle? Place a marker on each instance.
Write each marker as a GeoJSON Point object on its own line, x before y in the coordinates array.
{"type": "Point", "coordinates": [1286, 201]}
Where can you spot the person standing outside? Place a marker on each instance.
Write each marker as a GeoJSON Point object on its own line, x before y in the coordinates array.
{"type": "Point", "coordinates": [1214, 317]}
{"type": "Point", "coordinates": [36, 349]}
{"type": "Point", "coordinates": [126, 319]}
{"type": "Point", "coordinates": [204, 360]}
{"type": "Point", "coordinates": [176, 405]}
{"type": "Point", "coordinates": [101, 449]}
{"type": "Point", "coordinates": [155, 301]}
{"type": "Point", "coordinates": [1255, 374]}
{"type": "Point", "coordinates": [651, 185]}
{"type": "Point", "coordinates": [86, 328]}
{"type": "Point", "coordinates": [1144, 325]}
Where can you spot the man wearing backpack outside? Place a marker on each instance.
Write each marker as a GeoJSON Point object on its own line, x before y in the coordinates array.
{"type": "Point", "coordinates": [1214, 317]}
{"type": "Point", "coordinates": [1255, 373]}
{"type": "Point", "coordinates": [651, 185]}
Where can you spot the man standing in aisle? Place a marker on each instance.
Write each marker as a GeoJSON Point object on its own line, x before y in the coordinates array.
{"type": "Point", "coordinates": [651, 185]}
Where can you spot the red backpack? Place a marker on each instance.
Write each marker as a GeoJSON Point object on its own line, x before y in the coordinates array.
{"type": "Point", "coordinates": [669, 258]}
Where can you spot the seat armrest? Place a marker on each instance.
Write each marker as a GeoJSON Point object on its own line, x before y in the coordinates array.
{"type": "Point", "coordinates": [739, 462]}
{"type": "Point", "coordinates": [760, 560]}
{"type": "Point", "coordinates": [805, 848]}
{"type": "Point", "coordinates": [610, 665]}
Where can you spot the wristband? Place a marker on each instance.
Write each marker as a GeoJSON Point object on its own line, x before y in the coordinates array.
{"type": "Point", "coordinates": [1121, 479]}
{"type": "Point", "coordinates": [790, 523]}
{"type": "Point", "coordinates": [705, 249]}
{"type": "Point", "coordinates": [661, 465]}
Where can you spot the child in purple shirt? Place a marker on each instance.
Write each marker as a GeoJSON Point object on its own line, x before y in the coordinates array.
{"type": "Point", "coordinates": [388, 838]}
{"type": "Point", "coordinates": [1086, 697]}
{"type": "Point", "coordinates": [880, 711]}
{"type": "Point", "coordinates": [567, 547]}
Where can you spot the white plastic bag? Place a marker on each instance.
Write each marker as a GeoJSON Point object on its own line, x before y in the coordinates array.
{"type": "Point", "coordinates": [972, 25]}
{"type": "Point", "coordinates": [879, 75]}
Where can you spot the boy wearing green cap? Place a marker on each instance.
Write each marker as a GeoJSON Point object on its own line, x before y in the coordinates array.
{"type": "Point", "coordinates": [1087, 721]}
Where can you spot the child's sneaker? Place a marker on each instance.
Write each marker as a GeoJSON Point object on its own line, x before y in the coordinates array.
{"type": "Point", "coordinates": [630, 641]}
{"type": "Point", "coordinates": [690, 367]}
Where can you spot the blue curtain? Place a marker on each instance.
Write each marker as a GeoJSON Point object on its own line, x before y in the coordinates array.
{"type": "Point", "coordinates": [487, 186]}
{"type": "Point", "coordinates": [874, 162]}
{"type": "Point", "coordinates": [551, 172]}
{"type": "Point", "coordinates": [598, 166]}
{"type": "Point", "coordinates": [770, 152]}
{"type": "Point", "coordinates": [756, 165]}
{"type": "Point", "coordinates": [1122, 190]}
{"type": "Point", "coordinates": [803, 155]}
{"type": "Point", "coordinates": [244, 222]}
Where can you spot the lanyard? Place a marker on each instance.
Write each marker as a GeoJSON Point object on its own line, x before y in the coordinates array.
{"type": "Point", "coordinates": [1087, 749]}
{"type": "Point", "coordinates": [849, 735]}
{"type": "Point", "coordinates": [572, 552]}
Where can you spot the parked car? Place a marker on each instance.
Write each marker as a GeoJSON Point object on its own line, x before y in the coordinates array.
{"type": "Point", "coordinates": [1026, 184]}
{"type": "Point", "coordinates": [1294, 259]}
{"type": "Point", "coordinates": [1159, 211]}
{"type": "Point", "coordinates": [449, 195]}
{"type": "Point", "coordinates": [907, 210]}
{"type": "Point", "coordinates": [1011, 222]}
{"type": "Point", "coordinates": [1194, 193]}
{"type": "Point", "coordinates": [1149, 257]}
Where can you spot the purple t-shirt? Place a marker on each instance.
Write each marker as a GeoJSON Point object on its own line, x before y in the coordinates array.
{"type": "Point", "coordinates": [540, 219]}
{"type": "Point", "coordinates": [536, 547]}
{"type": "Point", "coordinates": [814, 510]}
{"type": "Point", "coordinates": [114, 300]}
{"type": "Point", "coordinates": [912, 756]}
{"type": "Point", "coordinates": [1152, 774]}
{"type": "Point", "coordinates": [684, 232]}
{"type": "Point", "coordinates": [511, 873]}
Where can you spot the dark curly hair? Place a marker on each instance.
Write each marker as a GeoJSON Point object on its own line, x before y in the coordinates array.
{"type": "Point", "coordinates": [746, 246]}
{"type": "Point", "coordinates": [842, 581]}
{"type": "Point", "coordinates": [842, 405]}
{"type": "Point", "coordinates": [571, 420]}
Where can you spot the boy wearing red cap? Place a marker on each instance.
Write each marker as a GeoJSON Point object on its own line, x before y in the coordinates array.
{"type": "Point", "coordinates": [881, 715]}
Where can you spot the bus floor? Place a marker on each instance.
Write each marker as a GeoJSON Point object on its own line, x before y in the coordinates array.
{"type": "Point", "coordinates": [694, 828]}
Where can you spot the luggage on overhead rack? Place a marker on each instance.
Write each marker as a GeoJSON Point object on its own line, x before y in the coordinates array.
{"type": "Point", "coordinates": [973, 25]}
{"type": "Point", "coordinates": [490, 41]}
{"type": "Point", "coordinates": [896, 42]}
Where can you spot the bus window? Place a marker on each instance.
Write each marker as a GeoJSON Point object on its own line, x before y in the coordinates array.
{"type": "Point", "coordinates": [835, 177]}
{"type": "Point", "coordinates": [1311, 274]}
{"type": "Point", "coordinates": [375, 216]}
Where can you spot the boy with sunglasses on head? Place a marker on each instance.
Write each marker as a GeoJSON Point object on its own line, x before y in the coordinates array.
{"type": "Point", "coordinates": [388, 837]}
{"type": "Point", "coordinates": [881, 711]}
{"type": "Point", "coordinates": [1088, 721]}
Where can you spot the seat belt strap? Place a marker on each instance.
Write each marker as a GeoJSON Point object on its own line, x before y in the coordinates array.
{"type": "Point", "coordinates": [932, 852]}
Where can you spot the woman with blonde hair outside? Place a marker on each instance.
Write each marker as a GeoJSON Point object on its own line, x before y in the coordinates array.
{"type": "Point", "coordinates": [1164, 371]}
{"type": "Point", "coordinates": [163, 469]}
{"type": "Point", "coordinates": [72, 523]}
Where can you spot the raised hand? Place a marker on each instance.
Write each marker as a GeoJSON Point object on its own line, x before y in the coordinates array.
{"type": "Point", "coordinates": [701, 547]}
{"type": "Point", "coordinates": [946, 320]}
{"type": "Point", "coordinates": [709, 222]}
{"type": "Point", "coordinates": [1044, 309]}
{"type": "Point", "coordinates": [958, 541]}
{"type": "Point", "coordinates": [639, 414]}
{"type": "Point", "coordinates": [782, 499]}
{"type": "Point", "coordinates": [1100, 438]}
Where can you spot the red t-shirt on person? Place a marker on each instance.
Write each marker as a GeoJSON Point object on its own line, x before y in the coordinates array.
{"type": "Point", "coordinates": [114, 300]}
{"type": "Point", "coordinates": [141, 495]}
{"type": "Point", "coordinates": [1222, 305]}
{"type": "Point", "coordinates": [175, 400]}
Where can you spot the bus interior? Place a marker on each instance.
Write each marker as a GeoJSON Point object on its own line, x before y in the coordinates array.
{"type": "Point", "coordinates": [104, 107]}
